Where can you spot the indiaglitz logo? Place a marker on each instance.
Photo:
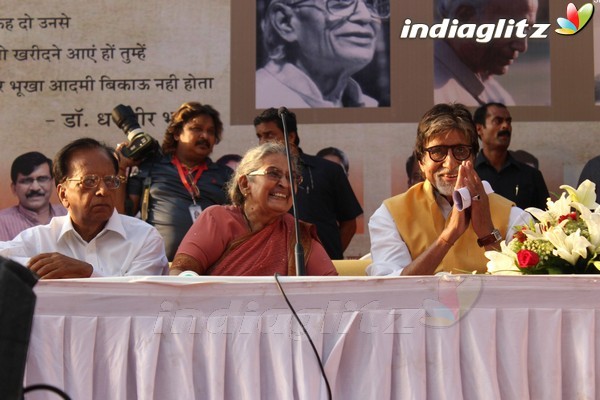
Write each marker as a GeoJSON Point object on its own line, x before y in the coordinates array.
{"type": "Point", "coordinates": [483, 33]}
{"type": "Point", "coordinates": [456, 296]}
{"type": "Point", "coordinates": [576, 19]}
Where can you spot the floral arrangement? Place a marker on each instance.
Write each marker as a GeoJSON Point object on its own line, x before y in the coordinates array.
{"type": "Point", "coordinates": [564, 240]}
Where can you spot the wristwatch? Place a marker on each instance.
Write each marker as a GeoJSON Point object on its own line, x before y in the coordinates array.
{"type": "Point", "coordinates": [492, 238]}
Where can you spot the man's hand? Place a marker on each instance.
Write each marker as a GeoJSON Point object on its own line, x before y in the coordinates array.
{"type": "Point", "coordinates": [481, 217]}
{"type": "Point", "coordinates": [58, 266]}
{"type": "Point", "coordinates": [125, 163]}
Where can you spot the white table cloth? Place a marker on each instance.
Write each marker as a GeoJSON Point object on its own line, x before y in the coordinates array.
{"type": "Point", "coordinates": [450, 337]}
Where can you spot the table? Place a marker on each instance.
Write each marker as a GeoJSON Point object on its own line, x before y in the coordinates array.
{"type": "Point", "coordinates": [448, 337]}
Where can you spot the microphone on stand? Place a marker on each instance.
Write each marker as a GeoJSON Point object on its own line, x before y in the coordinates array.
{"type": "Point", "coordinates": [298, 250]}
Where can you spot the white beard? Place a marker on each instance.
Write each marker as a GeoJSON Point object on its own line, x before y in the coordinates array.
{"type": "Point", "coordinates": [443, 187]}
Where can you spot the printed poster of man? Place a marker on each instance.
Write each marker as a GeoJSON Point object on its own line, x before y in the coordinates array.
{"type": "Point", "coordinates": [322, 53]}
{"type": "Point", "coordinates": [511, 70]}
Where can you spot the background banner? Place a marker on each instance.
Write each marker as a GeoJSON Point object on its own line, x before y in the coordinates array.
{"type": "Point", "coordinates": [64, 66]}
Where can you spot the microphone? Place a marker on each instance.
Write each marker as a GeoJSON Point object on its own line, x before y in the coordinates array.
{"type": "Point", "coordinates": [298, 250]}
{"type": "Point", "coordinates": [282, 112]}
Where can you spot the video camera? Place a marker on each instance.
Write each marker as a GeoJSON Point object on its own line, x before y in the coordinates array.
{"type": "Point", "coordinates": [141, 145]}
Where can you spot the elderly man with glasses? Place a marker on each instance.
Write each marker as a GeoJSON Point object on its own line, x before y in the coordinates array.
{"type": "Point", "coordinates": [313, 48]}
{"type": "Point", "coordinates": [92, 239]}
{"type": "Point", "coordinates": [31, 183]}
{"type": "Point", "coordinates": [423, 231]}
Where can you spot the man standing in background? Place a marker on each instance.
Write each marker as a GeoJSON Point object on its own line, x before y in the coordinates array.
{"type": "Point", "coordinates": [509, 178]}
{"type": "Point", "coordinates": [325, 197]}
{"type": "Point", "coordinates": [591, 171]}
{"type": "Point", "coordinates": [31, 183]}
{"type": "Point", "coordinates": [93, 239]}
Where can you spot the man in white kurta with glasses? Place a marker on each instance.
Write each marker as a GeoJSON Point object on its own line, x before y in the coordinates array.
{"type": "Point", "coordinates": [426, 230]}
{"type": "Point", "coordinates": [93, 240]}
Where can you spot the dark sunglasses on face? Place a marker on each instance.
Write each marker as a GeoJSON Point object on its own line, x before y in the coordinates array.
{"type": "Point", "coordinates": [460, 152]}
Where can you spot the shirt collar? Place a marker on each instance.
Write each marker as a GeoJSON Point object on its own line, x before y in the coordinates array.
{"type": "Point", "coordinates": [295, 79]}
{"type": "Point", "coordinates": [467, 78]}
{"type": "Point", "coordinates": [510, 160]}
{"type": "Point", "coordinates": [114, 224]}
{"type": "Point", "coordinates": [167, 159]}
{"type": "Point", "coordinates": [31, 216]}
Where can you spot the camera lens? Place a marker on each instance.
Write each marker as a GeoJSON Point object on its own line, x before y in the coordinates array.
{"type": "Point", "coordinates": [125, 118]}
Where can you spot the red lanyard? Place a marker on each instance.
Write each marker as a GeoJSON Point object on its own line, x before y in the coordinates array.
{"type": "Point", "coordinates": [199, 169]}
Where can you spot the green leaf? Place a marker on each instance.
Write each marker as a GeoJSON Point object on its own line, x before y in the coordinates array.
{"type": "Point", "coordinates": [555, 270]}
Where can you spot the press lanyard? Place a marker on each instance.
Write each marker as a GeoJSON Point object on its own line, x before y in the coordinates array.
{"type": "Point", "coordinates": [191, 188]}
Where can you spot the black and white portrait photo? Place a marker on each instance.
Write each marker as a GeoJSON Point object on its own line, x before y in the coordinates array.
{"type": "Point", "coordinates": [323, 53]}
{"type": "Point", "coordinates": [510, 70]}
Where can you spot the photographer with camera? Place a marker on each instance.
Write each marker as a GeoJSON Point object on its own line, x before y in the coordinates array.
{"type": "Point", "coordinates": [173, 184]}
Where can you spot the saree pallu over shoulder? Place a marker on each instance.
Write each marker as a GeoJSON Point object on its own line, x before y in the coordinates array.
{"type": "Point", "coordinates": [266, 251]}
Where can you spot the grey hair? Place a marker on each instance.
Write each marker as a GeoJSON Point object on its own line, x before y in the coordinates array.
{"type": "Point", "coordinates": [444, 118]}
{"type": "Point", "coordinates": [253, 160]}
{"type": "Point", "coordinates": [448, 8]}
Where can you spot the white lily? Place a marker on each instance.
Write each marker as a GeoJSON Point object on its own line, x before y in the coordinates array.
{"type": "Point", "coordinates": [544, 217]}
{"type": "Point", "coordinates": [536, 234]}
{"type": "Point", "coordinates": [570, 247]}
{"type": "Point", "coordinates": [562, 206]}
{"type": "Point", "coordinates": [503, 262]}
{"type": "Point", "coordinates": [584, 194]}
{"type": "Point", "coordinates": [592, 220]}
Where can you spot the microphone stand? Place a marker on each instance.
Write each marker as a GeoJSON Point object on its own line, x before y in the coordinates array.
{"type": "Point", "coordinates": [298, 250]}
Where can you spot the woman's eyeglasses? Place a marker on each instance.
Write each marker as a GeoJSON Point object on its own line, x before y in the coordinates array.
{"type": "Point", "coordinates": [460, 152]}
{"type": "Point", "coordinates": [92, 181]}
{"type": "Point", "coordinates": [276, 175]}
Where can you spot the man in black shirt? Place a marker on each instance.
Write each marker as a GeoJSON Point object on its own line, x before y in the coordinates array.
{"type": "Point", "coordinates": [172, 187]}
{"type": "Point", "coordinates": [509, 178]}
{"type": "Point", "coordinates": [325, 197]}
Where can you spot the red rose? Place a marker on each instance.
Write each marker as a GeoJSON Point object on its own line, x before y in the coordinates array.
{"type": "Point", "coordinates": [527, 258]}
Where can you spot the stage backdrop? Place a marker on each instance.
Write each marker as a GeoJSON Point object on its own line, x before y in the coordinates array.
{"type": "Point", "coordinates": [65, 65]}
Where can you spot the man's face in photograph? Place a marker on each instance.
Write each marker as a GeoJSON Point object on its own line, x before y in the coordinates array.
{"type": "Point", "coordinates": [495, 57]}
{"type": "Point", "coordinates": [333, 41]}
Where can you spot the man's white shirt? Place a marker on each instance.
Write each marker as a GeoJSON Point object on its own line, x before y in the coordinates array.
{"type": "Point", "coordinates": [126, 246]}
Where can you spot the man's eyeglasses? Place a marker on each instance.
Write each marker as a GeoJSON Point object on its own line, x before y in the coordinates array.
{"type": "Point", "coordinates": [460, 152]}
{"type": "Point", "coordinates": [29, 181]}
{"type": "Point", "coordinates": [276, 175]}
{"type": "Point", "coordinates": [92, 181]}
{"type": "Point", "coordinates": [345, 8]}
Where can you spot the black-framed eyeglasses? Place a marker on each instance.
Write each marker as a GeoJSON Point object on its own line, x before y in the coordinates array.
{"type": "Point", "coordinates": [92, 181]}
{"type": "Point", "coordinates": [275, 175]}
{"type": "Point", "coordinates": [29, 180]}
{"type": "Point", "coordinates": [460, 152]}
{"type": "Point", "coordinates": [345, 8]}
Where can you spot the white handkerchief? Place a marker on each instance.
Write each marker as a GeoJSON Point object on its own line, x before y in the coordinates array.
{"type": "Point", "coordinates": [462, 197]}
